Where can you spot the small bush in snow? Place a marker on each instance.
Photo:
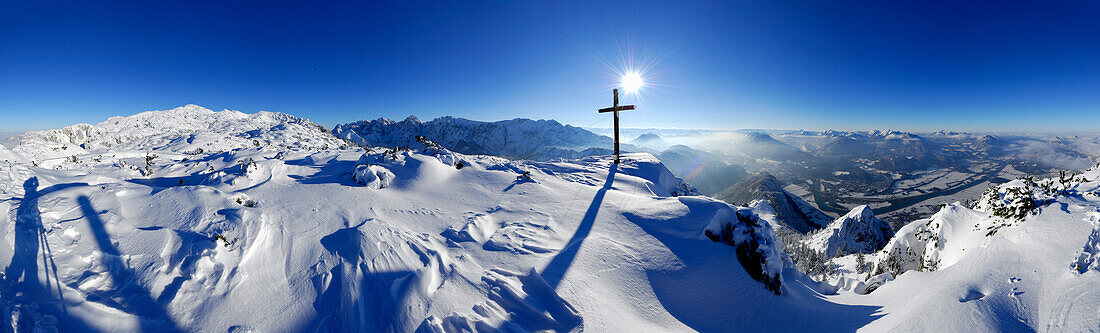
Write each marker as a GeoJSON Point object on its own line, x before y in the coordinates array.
{"type": "Point", "coordinates": [221, 238]}
{"type": "Point", "coordinates": [428, 144]}
{"type": "Point", "coordinates": [149, 164]}
{"type": "Point", "coordinates": [1010, 202]}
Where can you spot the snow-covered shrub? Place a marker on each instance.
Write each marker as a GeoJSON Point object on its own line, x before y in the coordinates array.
{"type": "Point", "coordinates": [148, 171]}
{"type": "Point", "coordinates": [682, 189]}
{"type": "Point", "coordinates": [898, 260]}
{"type": "Point", "coordinates": [1020, 198]}
{"type": "Point", "coordinates": [373, 176]}
{"type": "Point", "coordinates": [248, 166]}
{"type": "Point", "coordinates": [445, 156]}
{"type": "Point", "coordinates": [1011, 201]}
{"type": "Point", "coordinates": [866, 287]}
{"type": "Point", "coordinates": [756, 248]}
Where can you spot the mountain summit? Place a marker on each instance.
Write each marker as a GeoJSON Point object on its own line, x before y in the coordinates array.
{"type": "Point", "coordinates": [856, 232]}
{"type": "Point", "coordinates": [791, 211]}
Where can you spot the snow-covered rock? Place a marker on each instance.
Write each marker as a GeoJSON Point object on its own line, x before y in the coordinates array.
{"type": "Point", "coordinates": [373, 176]}
{"type": "Point", "coordinates": [1088, 258]}
{"type": "Point", "coordinates": [856, 232]}
{"type": "Point", "coordinates": [934, 243]}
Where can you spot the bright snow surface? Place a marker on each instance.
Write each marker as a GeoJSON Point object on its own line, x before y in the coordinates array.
{"type": "Point", "coordinates": [287, 238]}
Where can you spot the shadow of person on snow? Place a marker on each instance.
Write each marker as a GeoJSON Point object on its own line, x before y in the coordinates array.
{"type": "Point", "coordinates": [21, 276]}
{"type": "Point", "coordinates": [136, 299]}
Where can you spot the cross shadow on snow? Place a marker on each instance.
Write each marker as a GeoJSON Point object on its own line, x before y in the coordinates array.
{"type": "Point", "coordinates": [555, 270]}
{"type": "Point", "coordinates": [136, 298]}
{"type": "Point", "coordinates": [541, 287]}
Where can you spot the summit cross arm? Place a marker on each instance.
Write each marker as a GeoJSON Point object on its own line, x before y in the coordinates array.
{"type": "Point", "coordinates": [615, 108]}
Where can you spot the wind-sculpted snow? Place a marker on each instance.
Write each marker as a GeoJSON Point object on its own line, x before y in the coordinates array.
{"type": "Point", "coordinates": [151, 235]}
{"type": "Point", "coordinates": [274, 239]}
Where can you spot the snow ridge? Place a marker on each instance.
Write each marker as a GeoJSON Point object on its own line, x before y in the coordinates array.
{"type": "Point", "coordinates": [186, 129]}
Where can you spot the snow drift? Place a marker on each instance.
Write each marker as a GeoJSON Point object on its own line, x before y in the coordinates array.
{"type": "Point", "coordinates": [241, 237]}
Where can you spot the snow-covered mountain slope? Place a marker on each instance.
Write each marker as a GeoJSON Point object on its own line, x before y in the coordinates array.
{"type": "Point", "coordinates": [188, 129]}
{"type": "Point", "coordinates": [270, 239]}
{"type": "Point", "coordinates": [791, 211]}
{"type": "Point", "coordinates": [1022, 260]}
{"type": "Point", "coordinates": [273, 238]}
{"type": "Point", "coordinates": [652, 141]}
{"type": "Point", "coordinates": [856, 232]}
{"type": "Point", "coordinates": [515, 139]}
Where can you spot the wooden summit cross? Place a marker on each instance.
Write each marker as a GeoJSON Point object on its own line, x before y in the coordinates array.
{"type": "Point", "coordinates": [616, 108]}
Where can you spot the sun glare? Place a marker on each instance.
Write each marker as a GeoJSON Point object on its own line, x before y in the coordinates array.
{"type": "Point", "coordinates": [632, 81]}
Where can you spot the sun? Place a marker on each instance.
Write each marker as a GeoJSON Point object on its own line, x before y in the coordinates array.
{"type": "Point", "coordinates": [632, 81]}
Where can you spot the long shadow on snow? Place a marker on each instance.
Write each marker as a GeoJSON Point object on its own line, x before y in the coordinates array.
{"type": "Point", "coordinates": [21, 275]}
{"type": "Point", "coordinates": [162, 183]}
{"type": "Point", "coordinates": [555, 270]}
{"type": "Point", "coordinates": [137, 300]}
{"type": "Point", "coordinates": [713, 293]}
{"type": "Point", "coordinates": [333, 172]}
{"type": "Point", "coordinates": [541, 287]}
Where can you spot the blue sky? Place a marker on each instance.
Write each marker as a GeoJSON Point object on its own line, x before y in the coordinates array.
{"type": "Point", "coordinates": [922, 65]}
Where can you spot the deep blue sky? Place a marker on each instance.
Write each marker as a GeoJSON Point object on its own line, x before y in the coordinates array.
{"type": "Point", "coordinates": [922, 65]}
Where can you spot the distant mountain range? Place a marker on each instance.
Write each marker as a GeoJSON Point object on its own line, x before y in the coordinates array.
{"type": "Point", "coordinates": [514, 139]}
{"type": "Point", "coordinates": [189, 129]}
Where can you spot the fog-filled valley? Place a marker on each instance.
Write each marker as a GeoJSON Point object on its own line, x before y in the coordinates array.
{"type": "Point", "coordinates": [902, 176]}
